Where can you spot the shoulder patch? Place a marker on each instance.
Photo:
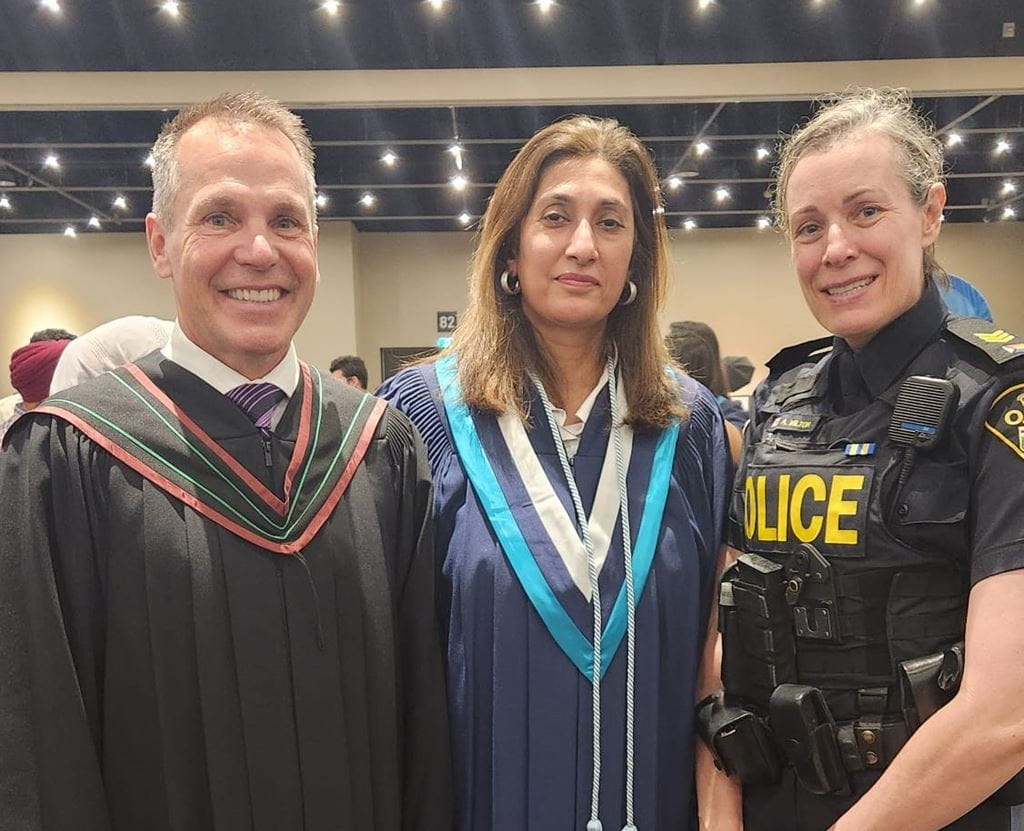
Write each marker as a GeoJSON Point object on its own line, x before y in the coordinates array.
{"type": "Point", "coordinates": [1001, 346]}
{"type": "Point", "coordinates": [1006, 419]}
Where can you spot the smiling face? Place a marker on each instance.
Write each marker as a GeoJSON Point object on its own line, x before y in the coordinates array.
{"type": "Point", "coordinates": [857, 236]}
{"type": "Point", "coordinates": [240, 244]}
{"type": "Point", "coordinates": [575, 245]}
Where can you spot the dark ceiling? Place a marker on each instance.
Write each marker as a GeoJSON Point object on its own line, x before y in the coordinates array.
{"type": "Point", "coordinates": [101, 153]}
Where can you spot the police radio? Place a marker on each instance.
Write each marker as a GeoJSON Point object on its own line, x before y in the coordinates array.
{"type": "Point", "coordinates": [924, 408]}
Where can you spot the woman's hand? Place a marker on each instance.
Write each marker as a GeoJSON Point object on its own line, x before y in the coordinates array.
{"type": "Point", "coordinates": [719, 797]}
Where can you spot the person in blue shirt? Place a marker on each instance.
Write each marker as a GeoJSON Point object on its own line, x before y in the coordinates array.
{"type": "Point", "coordinates": [963, 299]}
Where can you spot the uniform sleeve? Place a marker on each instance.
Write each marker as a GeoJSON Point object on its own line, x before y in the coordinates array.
{"type": "Point", "coordinates": [427, 785]}
{"type": "Point", "coordinates": [50, 635]}
{"type": "Point", "coordinates": [997, 497]}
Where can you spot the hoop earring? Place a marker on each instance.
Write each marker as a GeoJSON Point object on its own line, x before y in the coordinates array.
{"type": "Point", "coordinates": [509, 283]}
{"type": "Point", "coordinates": [631, 288]}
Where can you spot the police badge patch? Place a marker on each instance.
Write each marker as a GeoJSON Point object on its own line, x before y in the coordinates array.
{"type": "Point", "coordinates": [1006, 419]}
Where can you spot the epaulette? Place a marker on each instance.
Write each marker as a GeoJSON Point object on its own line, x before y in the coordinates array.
{"type": "Point", "coordinates": [803, 353]}
{"type": "Point", "coordinates": [1001, 346]}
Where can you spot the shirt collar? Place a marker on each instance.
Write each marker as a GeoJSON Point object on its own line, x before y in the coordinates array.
{"type": "Point", "coordinates": [889, 352]}
{"type": "Point", "coordinates": [221, 377]}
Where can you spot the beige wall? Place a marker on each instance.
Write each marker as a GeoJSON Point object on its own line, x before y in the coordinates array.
{"type": "Point", "coordinates": [404, 280]}
{"type": "Point", "coordinates": [737, 280]}
{"type": "Point", "coordinates": [385, 289]}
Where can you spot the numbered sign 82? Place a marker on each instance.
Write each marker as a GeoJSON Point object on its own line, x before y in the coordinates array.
{"type": "Point", "coordinates": [447, 321]}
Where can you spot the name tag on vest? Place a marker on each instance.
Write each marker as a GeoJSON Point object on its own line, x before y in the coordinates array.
{"type": "Point", "coordinates": [793, 423]}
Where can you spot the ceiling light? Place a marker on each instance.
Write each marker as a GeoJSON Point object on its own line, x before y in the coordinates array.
{"type": "Point", "coordinates": [1009, 213]}
{"type": "Point", "coordinates": [367, 200]}
{"type": "Point", "coordinates": [920, 2]}
{"type": "Point", "coordinates": [953, 139]}
{"type": "Point", "coordinates": [51, 6]}
{"type": "Point", "coordinates": [322, 200]}
{"type": "Point", "coordinates": [69, 231]}
{"type": "Point", "coordinates": [459, 182]}
{"type": "Point", "coordinates": [674, 183]}
{"type": "Point", "coordinates": [701, 147]}
{"type": "Point", "coordinates": [52, 162]}
{"type": "Point", "coordinates": [5, 203]}
{"type": "Point", "coordinates": [545, 5]}
{"type": "Point", "coordinates": [763, 153]}
{"type": "Point", "coordinates": [171, 7]}
{"type": "Point", "coordinates": [763, 222]}
{"type": "Point", "coordinates": [149, 161]}
{"type": "Point", "coordinates": [704, 4]}
{"type": "Point", "coordinates": [1008, 187]}
{"type": "Point", "coordinates": [690, 224]}
{"type": "Point", "coordinates": [120, 203]}
{"type": "Point", "coordinates": [721, 194]}
{"type": "Point", "coordinates": [94, 222]}
{"type": "Point", "coordinates": [1002, 146]}
{"type": "Point", "coordinates": [389, 158]}
{"type": "Point", "coordinates": [331, 6]}
{"type": "Point", "coordinates": [437, 4]}
{"type": "Point", "coordinates": [457, 151]}
{"type": "Point", "coordinates": [465, 218]}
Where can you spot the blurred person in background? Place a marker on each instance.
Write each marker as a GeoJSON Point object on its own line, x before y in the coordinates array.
{"type": "Point", "coordinates": [351, 370]}
{"type": "Point", "coordinates": [694, 346]}
{"type": "Point", "coordinates": [32, 368]}
{"type": "Point", "coordinates": [108, 346]}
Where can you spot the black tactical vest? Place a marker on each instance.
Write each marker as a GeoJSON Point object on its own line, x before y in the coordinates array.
{"type": "Point", "coordinates": [871, 577]}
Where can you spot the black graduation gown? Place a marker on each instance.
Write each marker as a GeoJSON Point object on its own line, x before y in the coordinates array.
{"type": "Point", "coordinates": [158, 671]}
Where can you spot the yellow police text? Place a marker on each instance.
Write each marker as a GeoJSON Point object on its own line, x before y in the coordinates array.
{"type": "Point", "coordinates": [809, 508]}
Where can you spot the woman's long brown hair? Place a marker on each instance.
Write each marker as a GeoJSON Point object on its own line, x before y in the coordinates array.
{"type": "Point", "coordinates": [495, 342]}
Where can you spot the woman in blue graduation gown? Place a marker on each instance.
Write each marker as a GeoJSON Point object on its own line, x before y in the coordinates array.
{"type": "Point", "coordinates": [579, 497]}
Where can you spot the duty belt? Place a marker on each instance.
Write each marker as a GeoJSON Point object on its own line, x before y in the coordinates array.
{"type": "Point", "coordinates": [870, 743]}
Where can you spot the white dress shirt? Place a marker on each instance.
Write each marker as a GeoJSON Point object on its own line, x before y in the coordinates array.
{"type": "Point", "coordinates": [223, 378]}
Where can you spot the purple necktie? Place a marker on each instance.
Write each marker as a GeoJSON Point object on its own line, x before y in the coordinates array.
{"type": "Point", "coordinates": [257, 401]}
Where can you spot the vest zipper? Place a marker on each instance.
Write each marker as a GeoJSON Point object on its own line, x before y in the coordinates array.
{"type": "Point", "coordinates": [267, 458]}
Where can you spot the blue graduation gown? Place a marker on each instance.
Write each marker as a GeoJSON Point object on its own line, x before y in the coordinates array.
{"type": "Point", "coordinates": [520, 708]}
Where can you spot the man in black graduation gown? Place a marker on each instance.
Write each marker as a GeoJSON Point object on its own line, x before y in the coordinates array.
{"type": "Point", "coordinates": [220, 615]}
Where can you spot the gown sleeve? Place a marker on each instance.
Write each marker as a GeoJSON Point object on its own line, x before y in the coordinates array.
{"type": "Point", "coordinates": [51, 624]}
{"type": "Point", "coordinates": [707, 473]}
{"type": "Point", "coordinates": [427, 781]}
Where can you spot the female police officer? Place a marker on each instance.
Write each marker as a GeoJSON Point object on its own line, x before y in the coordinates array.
{"type": "Point", "coordinates": [879, 508]}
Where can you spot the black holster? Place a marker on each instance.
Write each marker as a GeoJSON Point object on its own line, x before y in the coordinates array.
{"type": "Point", "coordinates": [738, 740]}
{"type": "Point", "coordinates": [930, 682]}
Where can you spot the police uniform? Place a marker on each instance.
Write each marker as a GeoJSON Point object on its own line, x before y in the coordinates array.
{"type": "Point", "coordinates": [870, 554]}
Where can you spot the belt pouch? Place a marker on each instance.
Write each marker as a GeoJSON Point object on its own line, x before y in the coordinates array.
{"type": "Point", "coordinates": [804, 726]}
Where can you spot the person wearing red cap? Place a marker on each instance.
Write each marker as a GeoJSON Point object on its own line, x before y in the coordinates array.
{"type": "Point", "coordinates": [32, 369]}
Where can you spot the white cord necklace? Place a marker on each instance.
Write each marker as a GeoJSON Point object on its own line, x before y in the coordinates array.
{"type": "Point", "coordinates": [595, 596]}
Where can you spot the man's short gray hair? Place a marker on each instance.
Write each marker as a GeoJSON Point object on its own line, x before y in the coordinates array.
{"type": "Point", "coordinates": [230, 108]}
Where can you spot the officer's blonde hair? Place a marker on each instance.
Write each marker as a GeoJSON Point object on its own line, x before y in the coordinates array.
{"type": "Point", "coordinates": [883, 110]}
